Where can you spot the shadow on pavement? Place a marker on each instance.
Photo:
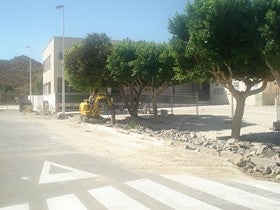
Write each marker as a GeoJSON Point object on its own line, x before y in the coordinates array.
{"type": "Point", "coordinates": [272, 137]}
{"type": "Point", "coordinates": [190, 123]}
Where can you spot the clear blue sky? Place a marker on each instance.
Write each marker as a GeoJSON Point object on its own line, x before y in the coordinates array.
{"type": "Point", "coordinates": [35, 22]}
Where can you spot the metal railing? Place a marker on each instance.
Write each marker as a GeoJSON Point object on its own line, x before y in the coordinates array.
{"type": "Point", "coordinates": [277, 105]}
{"type": "Point", "coordinates": [163, 101]}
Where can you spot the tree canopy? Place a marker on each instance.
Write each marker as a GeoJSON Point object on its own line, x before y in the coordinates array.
{"type": "Point", "coordinates": [121, 70]}
{"type": "Point", "coordinates": [154, 69]}
{"type": "Point", "coordinates": [188, 66]}
{"type": "Point", "coordinates": [268, 17]}
{"type": "Point", "coordinates": [141, 65]}
{"type": "Point", "coordinates": [85, 64]}
{"type": "Point", "coordinates": [225, 43]}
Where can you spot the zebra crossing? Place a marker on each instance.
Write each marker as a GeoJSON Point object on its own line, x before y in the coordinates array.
{"type": "Point", "coordinates": [119, 201]}
{"type": "Point", "coordinates": [162, 191]}
{"type": "Point", "coordinates": [168, 196]}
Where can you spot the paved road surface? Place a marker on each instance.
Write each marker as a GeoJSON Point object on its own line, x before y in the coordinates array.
{"type": "Point", "coordinates": [38, 172]}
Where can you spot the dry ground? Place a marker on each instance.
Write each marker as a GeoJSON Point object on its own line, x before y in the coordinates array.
{"type": "Point", "coordinates": [143, 152]}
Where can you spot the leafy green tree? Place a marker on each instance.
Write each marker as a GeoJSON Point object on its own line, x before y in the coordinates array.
{"type": "Point", "coordinates": [141, 65]}
{"type": "Point", "coordinates": [154, 69]}
{"type": "Point", "coordinates": [7, 93]}
{"type": "Point", "coordinates": [189, 67]}
{"type": "Point", "coordinates": [85, 64]}
{"type": "Point", "coordinates": [268, 16]}
{"type": "Point", "coordinates": [225, 42]}
{"type": "Point", "coordinates": [121, 70]}
{"type": "Point", "coordinates": [37, 85]}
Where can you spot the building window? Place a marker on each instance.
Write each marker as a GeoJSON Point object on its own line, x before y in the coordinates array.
{"type": "Point", "coordinates": [47, 64]}
{"type": "Point", "coordinates": [47, 88]}
{"type": "Point", "coordinates": [219, 91]}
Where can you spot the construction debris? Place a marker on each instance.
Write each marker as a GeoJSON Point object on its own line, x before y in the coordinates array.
{"type": "Point", "coordinates": [247, 150]}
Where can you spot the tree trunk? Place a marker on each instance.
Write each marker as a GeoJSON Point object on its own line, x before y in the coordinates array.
{"type": "Point", "coordinates": [276, 75]}
{"type": "Point", "coordinates": [136, 92]}
{"type": "Point", "coordinates": [274, 71]}
{"type": "Point", "coordinates": [154, 103]}
{"type": "Point", "coordinates": [155, 92]}
{"type": "Point", "coordinates": [240, 96]}
{"type": "Point", "coordinates": [133, 111]}
{"type": "Point", "coordinates": [238, 115]}
{"type": "Point", "coordinates": [132, 106]}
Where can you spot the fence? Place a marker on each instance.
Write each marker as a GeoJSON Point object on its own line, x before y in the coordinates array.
{"type": "Point", "coordinates": [163, 101]}
{"type": "Point", "coordinates": [277, 105]}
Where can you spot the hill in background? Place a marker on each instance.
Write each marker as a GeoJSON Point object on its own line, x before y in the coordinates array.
{"type": "Point", "coordinates": [14, 78]}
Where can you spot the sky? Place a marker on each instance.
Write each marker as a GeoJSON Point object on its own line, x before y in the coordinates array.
{"type": "Point", "coordinates": [34, 22]}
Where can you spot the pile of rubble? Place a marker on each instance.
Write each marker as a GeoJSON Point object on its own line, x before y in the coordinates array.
{"type": "Point", "coordinates": [247, 151]}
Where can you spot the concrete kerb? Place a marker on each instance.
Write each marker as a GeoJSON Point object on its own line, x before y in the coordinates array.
{"type": "Point", "coordinates": [9, 107]}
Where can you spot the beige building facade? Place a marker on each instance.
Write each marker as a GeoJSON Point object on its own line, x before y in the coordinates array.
{"type": "Point", "coordinates": [52, 74]}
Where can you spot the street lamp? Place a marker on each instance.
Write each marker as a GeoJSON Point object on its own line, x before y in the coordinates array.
{"type": "Point", "coordinates": [62, 62]}
{"type": "Point", "coordinates": [30, 80]}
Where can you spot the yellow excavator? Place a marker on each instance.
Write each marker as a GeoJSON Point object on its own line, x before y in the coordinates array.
{"type": "Point", "coordinates": [93, 110]}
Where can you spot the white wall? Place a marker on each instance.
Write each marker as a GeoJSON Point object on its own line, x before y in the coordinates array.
{"type": "Point", "coordinates": [37, 102]}
{"type": "Point", "coordinates": [52, 103]}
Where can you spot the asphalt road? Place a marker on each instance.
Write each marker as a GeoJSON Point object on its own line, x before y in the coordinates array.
{"type": "Point", "coordinates": [38, 172]}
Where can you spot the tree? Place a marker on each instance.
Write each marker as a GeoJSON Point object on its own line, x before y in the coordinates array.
{"type": "Point", "coordinates": [268, 16]}
{"type": "Point", "coordinates": [7, 93]}
{"type": "Point", "coordinates": [85, 64]}
{"type": "Point", "coordinates": [188, 66]}
{"type": "Point", "coordinates": [121, 70]}
{"type": "Point", "coordinates": [154, 69]}
{"type": "Point", "coordinates": [225, 42]}
{"type": "Point", "coordinates": [141, 65]}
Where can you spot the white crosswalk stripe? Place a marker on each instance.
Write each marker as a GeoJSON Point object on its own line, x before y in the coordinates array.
{"type": "Point", "coordinates": [112, 198]}
{"type": "Point", "coordinates": [264, 185]}
{"type": "Point", "coordinates": [168, 196]}
{"type": "Point", "coordinates": [225, 192]}
{"type": "Point", "coordinates": [69, 202]}
{"type": "Point", "coordinates": [24, 206]}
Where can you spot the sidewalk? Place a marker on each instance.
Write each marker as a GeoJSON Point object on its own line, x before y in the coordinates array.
{"type": "Point", "coordinates": [257, 121]}
{"type": "Point", "coordinates": [9, 107]}
{"type": "Point", "coordinates": [264, 115]}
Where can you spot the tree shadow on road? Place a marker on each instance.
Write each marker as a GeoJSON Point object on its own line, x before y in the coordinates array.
{"type": "Point", "coordinates": [272, 137]}
{"type": "Point", "coordinates": [191, 123]}
{"type": "Point", "coordinates": [202, 123]}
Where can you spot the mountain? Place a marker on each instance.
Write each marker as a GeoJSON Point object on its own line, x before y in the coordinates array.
{"type": "Point", "coordinates": [14, 78]}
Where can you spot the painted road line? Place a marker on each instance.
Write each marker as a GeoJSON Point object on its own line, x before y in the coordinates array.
{"type": "Point", "coordinates": [168, 196]}
{"type": "Point", "coordinates": [225, 192]}
{"type": "Point", "coordinates": [24, 206]}
{"type": "Point", "coordinates": [264, 185]}
{"type": "Point", "coordinates": [65, 202]}
{"type": "Point", "coordinates": [112, 198]}
{"type": "Point", "coordinates": [73, 174]}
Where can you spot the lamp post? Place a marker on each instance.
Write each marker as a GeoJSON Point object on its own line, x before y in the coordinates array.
{"type": "Point", "coordinates": [62, 62]}
{"type": "Point", "coordinates": [30, 80]}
